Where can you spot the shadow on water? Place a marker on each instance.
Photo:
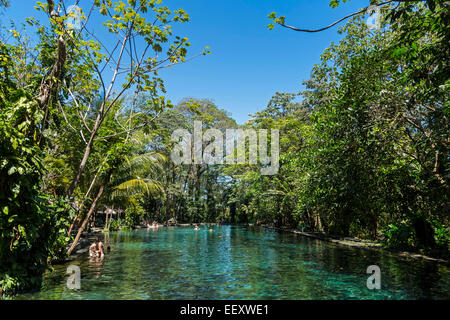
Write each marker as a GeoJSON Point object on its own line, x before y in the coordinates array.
{"type": "Point", "coordinates": [233, 262]}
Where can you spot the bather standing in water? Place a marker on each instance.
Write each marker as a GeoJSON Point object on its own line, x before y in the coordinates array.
{"type": "Point", "coordinates": [93, 250]}
{"type": "Point", "coordinates": [96, 250]}
{"type": "Point", "coordinates": [101, 249]}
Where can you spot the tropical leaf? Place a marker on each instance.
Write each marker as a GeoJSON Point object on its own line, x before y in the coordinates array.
{"type": "Point", "coordinates": [137, 186]}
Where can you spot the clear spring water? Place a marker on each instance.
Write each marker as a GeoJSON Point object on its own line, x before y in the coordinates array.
{"type": "Point", "coordinates": [234, 262]}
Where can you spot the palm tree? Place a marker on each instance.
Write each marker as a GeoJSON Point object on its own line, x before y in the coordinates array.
{"type": "Point", "coordinates": [138, 177]}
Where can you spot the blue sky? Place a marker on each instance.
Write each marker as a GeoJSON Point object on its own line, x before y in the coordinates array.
{"type": "Point", "coordinates": [248, 63]}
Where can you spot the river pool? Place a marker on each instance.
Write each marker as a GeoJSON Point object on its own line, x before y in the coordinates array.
{"type": "Point", "coordinates": [235, 262]}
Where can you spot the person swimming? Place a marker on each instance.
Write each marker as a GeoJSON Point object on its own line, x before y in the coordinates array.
{"type": "Point", "coordinates": [196, 228]}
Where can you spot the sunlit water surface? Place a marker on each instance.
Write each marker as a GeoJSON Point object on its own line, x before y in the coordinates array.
{"type": "Point", "coordinates": [232, 262]}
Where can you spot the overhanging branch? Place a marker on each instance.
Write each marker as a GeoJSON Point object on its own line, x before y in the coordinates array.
{"type": "Point", "coordinates": [344, 18]}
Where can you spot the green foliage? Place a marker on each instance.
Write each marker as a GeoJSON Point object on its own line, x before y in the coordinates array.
{"type": "Point", "coordinates": [60, 112]}
{"type": "Point", "coordinates": [399, 236]}
{"type": "Point", "coordinates": [365, 152]}
{"type": "Point", "coordinates": [133, 215]}
{"type": "Point", "coordinates": [116, 224]}
{"type": "Point", "coordinates": [368, 145]}
{"type": "Point", "coordinates": [32, 226]}
{"type": "Point", "coordinates": [441, 235]}
{"type": "Point", "coordinates": [335, 3]}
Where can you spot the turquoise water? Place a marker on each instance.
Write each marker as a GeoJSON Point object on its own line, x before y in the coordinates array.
{"type": "Point", "coordinates": [232, 262]}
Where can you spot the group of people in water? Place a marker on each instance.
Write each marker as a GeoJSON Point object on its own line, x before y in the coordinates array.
{"type": "Point", "coordinates": [97, 250]}
{"type": "Point", "coordinates": [196, 228]}
{"type": "Point", "coordinates": [154, 225]}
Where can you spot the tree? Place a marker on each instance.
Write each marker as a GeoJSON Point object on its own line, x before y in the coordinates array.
{"type": "Point", "coordinates": [30, 222]}
{"type": "Point", "coordinates": [71, 119]}
{"type": "Point", "coordinates": [371, 143]}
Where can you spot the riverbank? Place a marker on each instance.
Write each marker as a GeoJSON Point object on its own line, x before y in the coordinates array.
{"type": "Point", "coordinates": [361, 244]}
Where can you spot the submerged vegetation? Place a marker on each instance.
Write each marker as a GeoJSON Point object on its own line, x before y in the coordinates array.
{"type": "Point", "coordinates": [364, 153]}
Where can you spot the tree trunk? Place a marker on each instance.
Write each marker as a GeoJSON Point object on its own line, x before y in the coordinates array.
{"type": "Point", "coordinates": [86, 219]}
{"type": "Point", "coordinates": [72, 225]}
{"type": "Point", "coordinates": [87, 152]}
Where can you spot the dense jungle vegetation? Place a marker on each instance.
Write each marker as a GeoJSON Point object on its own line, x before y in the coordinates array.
{"type": "Point", "coordinates": [85, 128]}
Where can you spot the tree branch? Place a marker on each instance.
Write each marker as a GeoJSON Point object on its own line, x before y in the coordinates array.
{"type": "Point", "coordinates": [344, 18]}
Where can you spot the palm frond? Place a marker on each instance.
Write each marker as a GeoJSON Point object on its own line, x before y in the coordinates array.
{"type": "Point", "coordinates": [137, 186]}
